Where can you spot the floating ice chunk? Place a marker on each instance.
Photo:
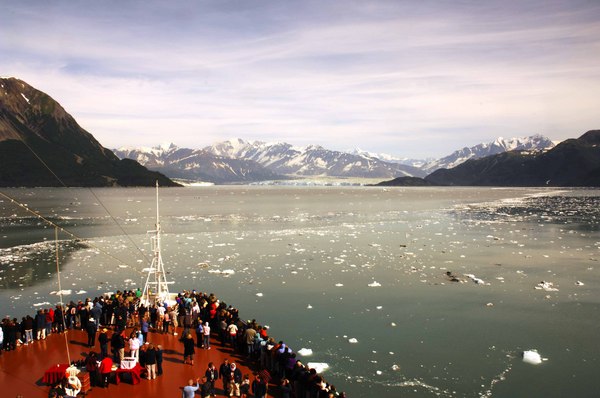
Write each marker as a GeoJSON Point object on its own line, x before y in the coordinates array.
{"type": "Point", "coordinates": [339, 284]}
{"type": "Point", "coordinates": [579, 283]}
{"type": "Point", "coordinates": [374, 284]}
{"type": "Point", "coordinates": [225, 272]}
{"type": "Point", "coordinates": [379, 372]}
{"type": "Point", "coordinates": [320, 367]}
{"type": "Point", "coordinates": [547, 286]}
{"type": "Point", "coordinates": [305, 352]}
{"type": "Point", "coordinates": [379, 307]}
{"type": "Point", "coordinates": [81, 292]}
{"type": "Point", "coordinates": [259, 294]}
{"type": "Point", "coordinates": [532, 357]}
{"type": "Point", "coordinates": [393, 324]}
{"type": "Point", "coordinates": [352, 341]}
{"type": "Point", "coordinates": [309, 306]}
{"type": "Point", "coordinates": [40, 304]}
{"type": "Point", "coordinates": [395, 367]}
{"type": "Point", "coordinates": [68, 291]}
{"type": "Point", "coordinates": [475, 279]}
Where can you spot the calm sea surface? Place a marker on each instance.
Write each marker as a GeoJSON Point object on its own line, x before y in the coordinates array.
{"type": "Point", "coordinates": [357, 275]}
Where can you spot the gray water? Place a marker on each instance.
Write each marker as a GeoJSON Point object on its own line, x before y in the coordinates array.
{"type": "Point", "coordinates": [324, 267]}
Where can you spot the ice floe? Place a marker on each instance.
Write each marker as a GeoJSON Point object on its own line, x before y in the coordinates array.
{"type": "Point", "coordinates": [305, 352]}
{"type": "Point", "coordinates": [320, 367]}
{"type": "Point", "coordinates": [532, 357]}
{"type": "Point", "coordinates": [352, 340]}
{"type": "Point", "coordinates": [64, 292]}
{"type": "Point", "coordinates": [547, 286]}
{"type": "Point", "coordinates": [374, 284]}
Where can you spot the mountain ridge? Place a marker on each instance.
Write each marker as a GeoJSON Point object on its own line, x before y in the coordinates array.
{"type": "Point", "coordinates": [42, 145]}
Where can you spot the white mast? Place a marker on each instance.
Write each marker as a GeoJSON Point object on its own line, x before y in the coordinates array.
{"type": "Point", "coordinates": [156, 288]}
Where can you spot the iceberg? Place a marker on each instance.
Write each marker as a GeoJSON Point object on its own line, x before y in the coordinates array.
{"type": "Point", "coordinates": [305, 352]}
{"type": "Point", "coordinates": [318, 366]}
{"type": "Point", "coordinates": [532, 357]}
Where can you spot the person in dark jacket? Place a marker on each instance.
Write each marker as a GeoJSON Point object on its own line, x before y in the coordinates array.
{"type": "Point", "coordinates": [151, 361]}
{"type": "Point", "coordinates": [40, 323]}
{"type": "Point", "coordinates": [28, 328]}
{"type": "Point", "coordinates": [211, 376]}
{"type": "Point", "coordinates": [117, 344]}
{"type": "Point", "coordinates": [159, 360]}
{"type": "Point", "coordinates": [259, 387]}
{"type": "Point", "coordinates": [103, 340]}
{"type": "Point", "coordinates": [225, 375]}
{"type": "Point", "coordinates": [188, 349]}
{"type": "Point", "coordinates": [91, 329]}
{"type": "Point", "coordinates": [59, 319]}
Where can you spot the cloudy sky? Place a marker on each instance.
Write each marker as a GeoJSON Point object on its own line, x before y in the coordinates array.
{"type": "Point", "coordinates": [409, 78]}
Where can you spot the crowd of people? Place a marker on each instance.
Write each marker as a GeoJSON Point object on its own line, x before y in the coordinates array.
{"type": "Point", "coordinates": [193, 312]}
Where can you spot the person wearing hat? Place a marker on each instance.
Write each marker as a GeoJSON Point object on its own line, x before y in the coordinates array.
{"type": "Point", "coordinates": [235, 381]}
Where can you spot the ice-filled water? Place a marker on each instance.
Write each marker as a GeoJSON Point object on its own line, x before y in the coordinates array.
{"type": "Point", "coordinates": [412, 292]}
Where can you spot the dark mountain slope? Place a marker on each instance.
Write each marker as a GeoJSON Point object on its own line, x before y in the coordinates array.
{"type": "Point", "coordinates": [574, 162]}
{"type": "Point", "coordinates": [35, 128]}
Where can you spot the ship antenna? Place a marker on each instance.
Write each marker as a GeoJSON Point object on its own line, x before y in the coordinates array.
{"type": "Point", "coordinates": [157, 288]}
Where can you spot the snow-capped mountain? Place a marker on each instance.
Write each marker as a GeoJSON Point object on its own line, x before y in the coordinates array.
{"type": "Point", "coordinates": [313, 160]}
{"type": "Point", "coordinates": [534, 143]}
{"type": "Point", "coordinates": [418, 163]}
{"type": "Point", "coordinates": [197, 164]}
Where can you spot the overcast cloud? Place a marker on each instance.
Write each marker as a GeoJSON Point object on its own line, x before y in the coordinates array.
{"type": "Point", "coordinates": [410, 78]}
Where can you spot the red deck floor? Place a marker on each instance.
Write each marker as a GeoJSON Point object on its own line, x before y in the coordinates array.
{"type": "Point", "coordinates": [21, 370]}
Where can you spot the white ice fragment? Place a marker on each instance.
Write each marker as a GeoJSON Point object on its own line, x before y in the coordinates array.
{"type": "Point", "coordinates": [81, 292]}
{"type": "Point", "coordinates": [305, 352]}
{"type": "Point", "coordinates": [259, 294]}
{"type": "Point", "coordinates": [339, 284]}
{"type": "Point", "coordinates": [379, 307]}
{"type": "Point", "coordinates": [579, 283]}
{"type": "Point", "coordinates": [309, 306]}
{"type": "Point", "coordinates": [40, 304]}
{"type": "Point", "coordinates": [352, 341]}
{"type": "Point", "coordinates": [475, 279]}
{"type": "Point", "coordinates": [65, 292]}
{"type": "Point", "coordinates": [532, 357]}
{"type": "Point", "coordinates": [374, 284]}
{"type": "Point", "coordinates": [393, 324]}
{"type": "Point", "coordinates": [395, 367]}
{"type": "Point", "coordinates": [320, 367]}
{"type": "Point", "coordinates": [379, 372]}
{"type": "Point", "coordinates": [547, 286]}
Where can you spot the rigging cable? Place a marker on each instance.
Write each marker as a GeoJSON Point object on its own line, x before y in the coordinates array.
{"type": "Point", "coordinates": [93, 194]}
{"type": "Point", "coordinates": [72, 235]}
{"type": "Point", "coordinates": [60, 293]}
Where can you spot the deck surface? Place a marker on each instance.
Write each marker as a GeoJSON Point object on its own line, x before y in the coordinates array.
{"type": "Point", "coordinates": [21, 370]}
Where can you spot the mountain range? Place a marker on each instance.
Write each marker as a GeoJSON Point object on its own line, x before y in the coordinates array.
{"type": "Point", "coordinates": [238, 161]}
{"type": "Point", "coordinates": [42, 145]}
{"type": "Point", "coordinates": [571, 163]}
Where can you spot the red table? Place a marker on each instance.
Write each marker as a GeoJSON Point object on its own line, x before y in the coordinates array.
{"type": "Point", "coordinates": [134, 372]}
{"type": "Point", "coordinates": [55, 373]}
